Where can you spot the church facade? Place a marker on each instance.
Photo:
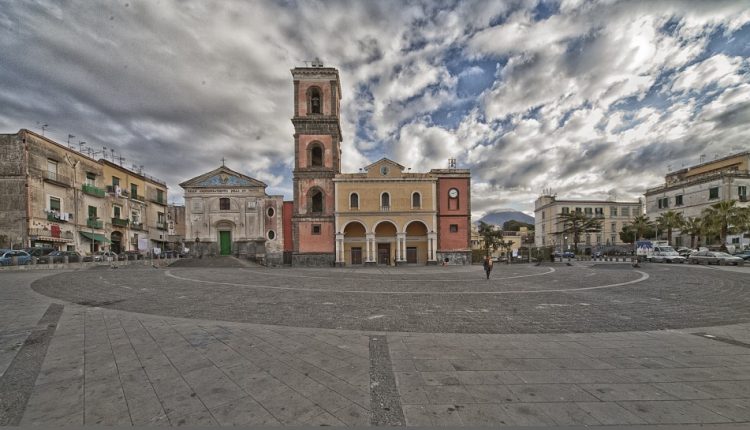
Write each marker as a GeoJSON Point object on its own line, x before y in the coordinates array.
{"type": "Point", "coordinates": [228, 213]}
{"type": "Point", "coordinates": [384, 215]}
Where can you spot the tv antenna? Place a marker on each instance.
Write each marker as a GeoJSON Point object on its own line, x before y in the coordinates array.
{"type": "Point", "coordinates": [69, 137]}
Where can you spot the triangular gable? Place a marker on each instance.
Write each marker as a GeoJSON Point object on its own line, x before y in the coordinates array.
{"type": "Point", "coordinates": [391, 163]}
{"type": "Point", "coordinates": [222, 177]}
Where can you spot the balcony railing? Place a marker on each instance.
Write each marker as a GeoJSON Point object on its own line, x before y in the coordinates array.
{"type": "Point", "coordinates": [136, 226]}
{"type": "Point", "coordinates": [92, 190]}
{"type": "Point", "coordinates": [743, 198]}
{"type": "Point", "coordinates": [57, 217]}
{"type": "Point", "coordinates": [119, 222]}
{"type": "Point", "coordinates": [94, 223]}
{"type": "Point", "coordinates": [385, 209]}
{"type": "Point", "coordinates": [56, 178]}
{"type": "Point", "coordinates": [161, 225]}
{"type": "Point", "coordinates": [159, 199]}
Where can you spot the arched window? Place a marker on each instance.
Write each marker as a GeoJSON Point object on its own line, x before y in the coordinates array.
{"type": "Point", "coordinates": [385, 201]}
{"type": "Point", "coordinates": [354, 201]}
{"type": "Point", "coordinates": [416, 200]}
{"type": "Point", "coordinates": [315, 101]}
{"type": "Point", "coordinates": [316, 156]}
{"type": "Point", "coordinates": [316, 202]}
{"type": "Point", "coordinates": [224, 204]}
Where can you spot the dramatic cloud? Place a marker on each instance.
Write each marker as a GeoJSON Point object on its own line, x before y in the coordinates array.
{"type": "Point", "coordinates": [591, 99]}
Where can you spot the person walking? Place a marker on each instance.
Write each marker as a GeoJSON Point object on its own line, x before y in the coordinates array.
{"type": "Point", "coordinates": [487, 266]}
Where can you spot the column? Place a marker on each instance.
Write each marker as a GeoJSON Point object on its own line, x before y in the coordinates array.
{"type": "Point", "coordinates": [339, 248]}
{"type": "Point", "coordinates": [403, 250]}
{"type": "Point", "coordinates": [400, 253]}
{"type": "Point", "coordinates": [370, 238]}
{"type": "Point", "coordinates": [431, 243]}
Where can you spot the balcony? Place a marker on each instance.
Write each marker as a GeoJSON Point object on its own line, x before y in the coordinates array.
{"type": "Point", "coordinates": [94, 223]}
{"type": "Point", "coordinates": [158, 199]}
{"type": "Point", "coordinates": [55, 216]}
{"type": "Point", "coordinates": [135, 196]}
{"type": "Point", "coordinates": [92, 190]}
{"type": "Point", "coordinates": [385, 209]}
{"type": "Point", "coordinates": [136, 226]}
{"type": "Point", "coordinates": [161, 225]}
{"type": "Point", "coordinates": [119, 222]}
{"type": "Point", "coordinates": [742, 198]}
{"type": "Point", "coordinates": [56, 178]}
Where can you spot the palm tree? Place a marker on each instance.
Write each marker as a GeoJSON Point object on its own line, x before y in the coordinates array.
{"type": "Point", "coordinates": [641, 224]}
{"type": "Point", "coordinates": [507, 246]}
{"type": "Point", "coordinates": [668, 221]}
{"type": "Point", "coordinates": [694, 227]}
{"type": "Point", "coordinates": [577, 223]}
{"type": "Point", "coordinates": [491, 235]}
{"type": "Point", "coordinates": [725, 217]}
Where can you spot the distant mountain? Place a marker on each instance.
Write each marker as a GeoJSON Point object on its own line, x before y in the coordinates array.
{"type": "Point", "coordinates": [499, 217]}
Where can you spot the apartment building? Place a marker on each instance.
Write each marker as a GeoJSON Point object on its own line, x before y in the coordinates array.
{"type": "Point", "coordinates": [53, 196]}
{"type": "Point", "coordinates": [613, 215]}
{"type": "Point", "coordinates": [690, 190]}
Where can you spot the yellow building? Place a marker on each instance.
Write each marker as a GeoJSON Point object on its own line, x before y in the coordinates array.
{"type": "Point", "coordinates": [136, 214]}
{"type": "Point", "coordinates": [386, 216]}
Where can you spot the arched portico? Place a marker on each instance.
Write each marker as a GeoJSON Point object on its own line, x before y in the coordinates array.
{"type": "Point", "coordinates": [386, 240]}
{"type": "Point", "coordinates": [352, 245]}
{"type": "Point", "coordinates": [415, 246]}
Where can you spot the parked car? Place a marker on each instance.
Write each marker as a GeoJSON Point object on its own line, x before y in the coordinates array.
{"type": "Point", "coordinates": [714, 257]}
{"type": "Point", "coordinates": [665, 254]}
{"type": "Point", "coordinates": [105, 256]}
{"type": "Point", "coordinates": [566, 254]}
{"type": "Point", "coordinates": [6, 257]}
{"type": "Point", "coordinates": [745, 255]}
{"type": "Point", "coordinates": [39, 251]}
{"type": "Point", "coordinates": [59, 257]}
{"type": "Point", "coordinates": [685, 252]}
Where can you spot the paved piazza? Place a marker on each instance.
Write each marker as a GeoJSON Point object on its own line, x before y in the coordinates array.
{"type": "Point", "coordinates": [222, 342]}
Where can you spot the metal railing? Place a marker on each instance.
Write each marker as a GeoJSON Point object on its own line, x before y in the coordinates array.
{"type": "Point", "coordinates": [49, 175]}
{"type": "Point", "coordinates": [119, 222]}
{"type": "Point", "coordinates": [161, 225]}
{"type": "Point", "coordinates": [92, 190]}
{"type": "Point", "coordinates": [94, 223]}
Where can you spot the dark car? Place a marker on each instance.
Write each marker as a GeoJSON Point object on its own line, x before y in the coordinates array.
{"type": "Point", "coordinates": [59, 257]}
{"type": "Point", "coordinates": [745, 255]}
{"type": "Point", "coordinates": [39, 251]}
{"type": "Point", "coordinates": [6, 257]}
{"type": "Point", "coordinates": [566, 254]}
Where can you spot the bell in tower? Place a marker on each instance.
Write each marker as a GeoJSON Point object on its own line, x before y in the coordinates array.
{"type": "Point", "coordinates": [317, 160]}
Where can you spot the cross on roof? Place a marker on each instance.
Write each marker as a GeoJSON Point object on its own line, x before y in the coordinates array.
{"type": "Point", "coordinates": [222, 161]}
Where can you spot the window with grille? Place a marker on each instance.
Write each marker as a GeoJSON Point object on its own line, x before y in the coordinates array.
{"type": "Point", "coordinates": [713, 193]}
{"type": "Point", "coordinates": [224, 204]}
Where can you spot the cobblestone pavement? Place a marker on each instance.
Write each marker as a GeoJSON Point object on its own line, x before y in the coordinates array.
{"type": "Point", "coordinates": [109, 364]}
{"type": "Point", "coordinates": [518, 298]}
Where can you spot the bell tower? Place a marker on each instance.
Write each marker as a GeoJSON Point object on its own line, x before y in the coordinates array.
{"type": "Point", "coordinates": [317, 160]}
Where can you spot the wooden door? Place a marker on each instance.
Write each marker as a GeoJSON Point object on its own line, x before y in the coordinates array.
{"type": "Point", "coordinates": [225, 242]}
{"type": "Point", "coordinates": [411, 255]}
{"type": "Point", "coordinates": [356, 255]}
{"type": "Point", "coordinates": [384, 253]}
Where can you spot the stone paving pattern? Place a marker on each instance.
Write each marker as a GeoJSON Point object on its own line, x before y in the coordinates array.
{"type": "Point", "coordinates": [111, 366]}
{"type": "Point", "coordinates": [430, 299]}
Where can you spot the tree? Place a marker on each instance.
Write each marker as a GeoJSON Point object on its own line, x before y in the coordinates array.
{"type": "Point", "coordinates": [641, 225]}
{"type": "Point", "coordinates": [670, 220]}
{"type": "Point", "coordinates": [491, 235]}
{"type": "Point", "coordinates": [725, 217]}
{"type": "Point", "coordinates": [577, 223]}
{"type": "Point", "coordinates": [694, 227]}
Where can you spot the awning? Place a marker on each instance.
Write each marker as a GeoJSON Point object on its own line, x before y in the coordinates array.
{"type": "Point", "coordinates": [50, 239]}
{"type": "Point", "coordinates": [95, 237]}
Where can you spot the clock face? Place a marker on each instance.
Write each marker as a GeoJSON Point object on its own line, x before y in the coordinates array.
{"type": "Point", "coordinates": [384, 170]}
{"type": "Point", "coordinates": [453, 193]}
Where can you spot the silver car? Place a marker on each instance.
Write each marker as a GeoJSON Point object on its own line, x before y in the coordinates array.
{"type": "Point", "coordinates": [714, 257]}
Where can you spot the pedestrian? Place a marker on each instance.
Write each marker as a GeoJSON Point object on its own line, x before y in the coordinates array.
{"type": "Point", "coordinates": [487, 266]}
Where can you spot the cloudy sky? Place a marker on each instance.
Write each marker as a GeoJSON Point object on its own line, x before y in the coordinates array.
{"type": "Point", "coordinates": [589, 99]}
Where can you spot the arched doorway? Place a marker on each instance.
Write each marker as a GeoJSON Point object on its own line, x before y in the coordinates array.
{"type": "Point", "coordinates": [385, 239]}
{"type": "Point", "coordinates": [355, 243]}
{"type": "Point", "coordinates": [116, 245]}
{"type": "Point", "coordinates": [416, 243]}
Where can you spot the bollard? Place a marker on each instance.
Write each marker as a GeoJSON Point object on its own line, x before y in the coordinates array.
{"type": "Point", "coordinates": [66, 260]}
{"type": "Point", "coordinates": [14, 261]}
{"type": "Point", "coordinates": [33, 261]}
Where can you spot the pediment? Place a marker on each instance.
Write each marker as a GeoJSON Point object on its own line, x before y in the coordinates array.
{"type": "Point", "coordinates": [384, 168]}
{"type": "Point", "coordinates": [222, 177]}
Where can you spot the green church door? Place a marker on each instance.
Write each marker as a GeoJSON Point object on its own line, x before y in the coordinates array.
{"type": "Point", "coordinates": [225, 242]}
